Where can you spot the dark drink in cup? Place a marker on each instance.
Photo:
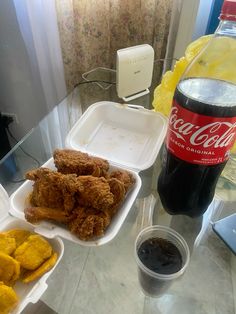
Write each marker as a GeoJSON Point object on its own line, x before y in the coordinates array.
{"type": "Point", "coordinates": [162, 256]}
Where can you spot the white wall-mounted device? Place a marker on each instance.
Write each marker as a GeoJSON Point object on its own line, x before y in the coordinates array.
{"type": "Point", "coordinates": [134, 67]}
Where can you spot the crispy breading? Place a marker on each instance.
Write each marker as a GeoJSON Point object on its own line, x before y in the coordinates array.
{"type": "Point", "coordinates": [53, 189]}
{"type": "Point", "coordinates": [19, 235]}
{"type": "Point", "coordinates": [71, 161]}
{"type": "Point", "coordinates": [124, 176]}
{"type": "Point", "coordinates": [118, 190]}
{"type": "Point", "coordinates": [8, 299]}
{"type": "Point", "coordinates": [88, 223]}
{"type": "Point", "coordinates": [96, 193]}
{"type": "Point", "coordinates": [33, 252]}
{"type": "Point", "coordinates": [43, 268]}
{"type": "Point", "coordinates": [84, 182]}
{"type": "Point", "coordinates": [7, 244]}
{"type": "Point", "coordinates": [9, 269]}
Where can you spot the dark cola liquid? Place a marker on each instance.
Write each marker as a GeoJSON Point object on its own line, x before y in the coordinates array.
{"type": "Point", "coordinates": [162, 257]}
{"type": "Point", "coordinates": [187, 188]}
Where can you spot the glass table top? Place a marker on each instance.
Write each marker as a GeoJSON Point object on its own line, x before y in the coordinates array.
{"type": "Point", "coordinates": [102, 280]}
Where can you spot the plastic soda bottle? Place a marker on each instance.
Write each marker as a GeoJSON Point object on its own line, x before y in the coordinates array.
{"type": "Point", "coordinates": [202, 123]}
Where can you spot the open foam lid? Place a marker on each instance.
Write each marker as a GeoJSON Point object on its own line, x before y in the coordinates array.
{"type": "Point", "coordinates": [127, 136]}
{"type": "Point", "coordinates": [4, 203]}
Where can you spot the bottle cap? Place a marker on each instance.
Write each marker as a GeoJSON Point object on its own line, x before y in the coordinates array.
{"type": "Point", "coordinates": [228, 10]}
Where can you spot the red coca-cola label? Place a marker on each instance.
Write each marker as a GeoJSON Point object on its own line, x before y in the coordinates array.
{"type": "Point", "coordinates": [199, 139]}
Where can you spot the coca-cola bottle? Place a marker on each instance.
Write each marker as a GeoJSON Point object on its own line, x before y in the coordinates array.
{"type": "Point", "coordinates": [202, 123]}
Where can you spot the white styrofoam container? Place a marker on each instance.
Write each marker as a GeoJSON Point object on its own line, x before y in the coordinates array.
{"type": "Point", "coordinates": [32, 292]}
{"type": "Point", "coordinates": [128, 137]}
{"type": "Point", "coordinates": [51, 230]}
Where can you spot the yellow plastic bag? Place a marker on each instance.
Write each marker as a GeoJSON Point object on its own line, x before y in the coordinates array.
{"type": "Point", "coordinates": [164, 92]}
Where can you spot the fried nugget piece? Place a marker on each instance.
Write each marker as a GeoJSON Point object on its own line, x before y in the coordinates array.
{"type": "Point", "coordinates": [96, 193]}
{"type": "Point", "coordinates": [71, 161]}
{"type": "Point", "coordinates": [45, 267]}
{"type": "Point", "coordinates": [19, 235]}
{"type": "Point", "coordinates": [37, 214]}
{"type": "Point", "coordinates": [33, 252]}
{"type": "Point", "coordinates": [53, 189]}
{"type": "Point", "coordinates": [9, 269]}
{"type": "Point", "coordinates": [8, 299]}
{"type": "Point", "coordinates": [125, 177]}
{"type": "Point", "coordinates": [88, 223]}
{"type": "Point", "coordinates": [7, 244]}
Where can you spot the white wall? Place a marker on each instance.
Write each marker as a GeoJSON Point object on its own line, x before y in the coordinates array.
{"type": "Point", "coordinates": [193, 22]}
{"type": "Point", "coordinates": [186, 26]}
{"type": "Point", "coordinates": [202, 18]}
{"type": "Point", "coordinates": [20, 88]}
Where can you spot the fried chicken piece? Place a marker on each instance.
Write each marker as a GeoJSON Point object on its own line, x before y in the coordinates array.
{"type": "Point", "coordinates": [118, 190]}
{"type": "Point", "coordinates": [96, 193]}
{"type": "Point", "coordinates": [125, 177]}
{"type": "Point", "coordinates": [37, 214]}
{"type": "Point", "coordinates": [85, 203]}
{"type": "Point", "coordinates": [88, 223]}
{"type": "Point", "coordinates": [8, 299]}
{"type": "Point", "coordinates": [33, 252]}
{"type": "Point", "coordinates": [53, 189]}
{"type": "Point", "coordinates": [71, 161]}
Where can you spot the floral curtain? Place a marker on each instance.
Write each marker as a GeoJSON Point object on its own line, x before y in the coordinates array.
{"type": "Point", "coordinates": [91, 31]}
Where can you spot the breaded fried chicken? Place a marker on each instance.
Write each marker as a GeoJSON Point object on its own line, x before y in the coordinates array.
{"type": "Point", "coordinates": [125, 177]}
{"type": "Point", "coordinates": [71, 161]}
{"type": "Point", "coordinates": [88, 223]}
{"type": "Point", "coordinates": [96, 193]}
{"type": "Point", "coordinates": [37, 214]}
{"type": "Point", "coordinates": [118, 190]}
{"type": "Point", "coordinates": [81, 194]}
{"type": "Point", "coordinates": [53, 189]}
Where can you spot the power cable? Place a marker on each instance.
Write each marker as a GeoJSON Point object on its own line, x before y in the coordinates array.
{"type": "Point", "coordinates": [26, 153]}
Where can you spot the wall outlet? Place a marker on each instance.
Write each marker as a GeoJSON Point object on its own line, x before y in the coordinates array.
{"type": "Point", "coordinates": [11, 115]}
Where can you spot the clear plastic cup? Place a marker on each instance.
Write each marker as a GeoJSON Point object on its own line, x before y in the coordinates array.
{"type": "Point", "coordinates": [155, 284]}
